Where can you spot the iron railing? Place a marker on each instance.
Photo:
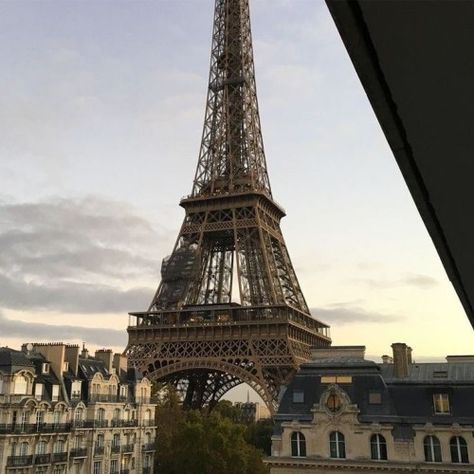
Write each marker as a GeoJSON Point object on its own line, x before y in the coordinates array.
{"type": "Point", "coordinates": [115, 448]}
{"type": "Point", "coordinates": [79, 453]}
{"type": "Point", "coordinates": [60, 457]}
{"type": "Point", "coordinates": [19, 461]}
{"type": "Point", "coordinates": [98, 451]}
{"type": "Point", "coordinates": [128, 448]}
{"type": "Point", "coordinates": [42, 459]}
{"type": "Point", "coordinates": [29, 428]}
{"type": "Point", "coordinates": [124, 423]}
{"type": "Point", "coordinates": [149, 447]}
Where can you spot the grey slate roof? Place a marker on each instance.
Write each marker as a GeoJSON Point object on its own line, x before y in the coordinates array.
{"type": "Point", "coordinates": [11, 360]}
{"type": "Point", "coordinates": [404, 401]}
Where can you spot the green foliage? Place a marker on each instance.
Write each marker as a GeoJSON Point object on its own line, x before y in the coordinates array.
{"type": "Point", "coordinates": [259, 434]}
{"type": "Point", "coordinates": [194, 443]}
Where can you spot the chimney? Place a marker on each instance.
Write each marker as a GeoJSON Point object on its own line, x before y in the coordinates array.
{"type": "Point", "coordinates": [84, 352]}
{"type": "Point", "coordinates": [386, 359]}
{"type": "Point", "coordinates": [107, 356]}
{"type": "Point", "coordinates": [72, 356]}
{"type": "Point", "coordinates": [400, 359]}
{"type": "Point", "coordinates": [120, 364]}
{"type": "Point", "coordinates": [409, 355]}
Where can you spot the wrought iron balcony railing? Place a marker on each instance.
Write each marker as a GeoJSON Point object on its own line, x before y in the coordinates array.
{"type": "Point", "coordinates": [42, 459]}
{"type": "Point", "coordinates": [29, 428]}
{"type": "Point", "coordinates": [149, 447]}
{"type": "Point", "coordinates": [79, 453]}
{"type": "Point", "coordinates": [124, 423]}
{"type": "Point", "coordinates": [128, 448]}
{"type": "Point", "coordinates": [60, 457]}
{"type": "Point", "coordinates": [115, 449]}
{"type": "Point", "coordinates": [91, 424]}
{"type": "Point", "coordinates": [99, 451]}
{"type": "Point", "coordinates": [19, 461]}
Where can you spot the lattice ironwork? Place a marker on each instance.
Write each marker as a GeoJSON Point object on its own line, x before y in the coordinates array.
{"type": "Point", "coordinates": [229, 278]}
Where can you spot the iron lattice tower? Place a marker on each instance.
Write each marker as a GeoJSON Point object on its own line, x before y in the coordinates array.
{"type": "Point", "coordinates": [229, 308]}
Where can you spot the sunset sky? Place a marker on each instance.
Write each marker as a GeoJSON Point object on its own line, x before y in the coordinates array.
{"type": "Point", "coordinates": [101, 115]}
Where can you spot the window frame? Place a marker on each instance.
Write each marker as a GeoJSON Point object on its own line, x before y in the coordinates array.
{"type": "Point", "coordinates": [432, 447]}
{"type": "Point", "coordinates": [378, 442]}
{"type": "Point", "coordinates": [460, 448]}
{"type": "Point", "coordinates": [441, 400]}
{"type": "Point", "coordinates": [298, 444]}
{"type": "Point", "coordinates": [337, 445]}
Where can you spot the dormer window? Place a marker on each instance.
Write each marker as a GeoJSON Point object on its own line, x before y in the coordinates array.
{"type": "Point", "coordinates": [45, 368]}
{"type": "Point", "coordinates": [441, 403]}
{"type": "Point", "coordinates": [298, 396]}
{"type": "Point", "coordinates": [39, 391]}
{"type": "Point", "coordinates": [66, 366]}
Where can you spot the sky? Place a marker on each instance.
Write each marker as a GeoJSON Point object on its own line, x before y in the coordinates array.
{"type": "Point", "coordinates": [101, 112]}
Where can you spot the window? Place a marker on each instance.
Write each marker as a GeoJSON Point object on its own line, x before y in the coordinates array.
{"type": "Point", "coordinates": [458, 447]}
{"type": "Point", "coordinates": [55, 393]}
{"type": "Point", "coordinates": [56, 417]}
{"type": "Point", "coordinates": [24, 449]}
{"type": "Point", "coordinates": [59, 447]}
{"type": "Point", "coordinates": [116, 440]}
{"type": "Point", "coordinates": [336, 379]}
{"type": "Point", "coordinates": [378, 447]}
{"type": "Point", "coordinates": [21, 385]}
{"type": "Point", "coordinates": [298, 396]}
{"type": "Point", "coordinates": [39, 418]}
{"type": "Point", "coordinates": [14, 449]}
{"type": "Point", "coordinates": [100, 441]}
{"type": "Point", "coordinates": [333, 403]}
{"type": "Point", "coordinates": [298, 444]}
{"type": "Point", "coordinates": [41, 447]}
{"type": "Point", "coordinates": [39, 391]}
{"type": "Point", "coordinates": [441, 403]}
{"type": "Point", "coordinates": [1, 383]}
{"type": "Point", "coordinates": [45, 368]}
{"type": "Point", "coordinates": [100, 414]}
{"type": "Point", "coordinates": [76, 390]}
{"type": "Point", "coordinates": [337, 445]}
{"type": "Point", "coordinates": [78, 415]}
{"type": "Point", "coordinates": [97, 467]}
{"type": "Point", "coordinates": [114, 466]}
{"type": "Point", "coordinates": [375, 398]}
{"type": "Point", "coordinates": [66, 366]}
{"type": "Point", "coordinates": [58, 470]}
{"type": "Point", "coordinates": [117, 414]}
{"type": "Point", "coordinates": [432, 449]}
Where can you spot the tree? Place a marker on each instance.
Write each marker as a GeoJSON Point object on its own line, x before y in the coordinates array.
{"type": "Point", "coordinates": [189, 442]}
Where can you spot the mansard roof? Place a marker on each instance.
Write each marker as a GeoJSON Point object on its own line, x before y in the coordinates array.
{"type": "Point", "coordinates": [404, 401]}
{"type": "Point", "coordinates": [12, 361]}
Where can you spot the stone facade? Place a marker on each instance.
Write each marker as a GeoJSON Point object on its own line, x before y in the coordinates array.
{"type": "Point", "coordinates": [342, 413]}
{"type": "Point", "coordinates": [63, 411]}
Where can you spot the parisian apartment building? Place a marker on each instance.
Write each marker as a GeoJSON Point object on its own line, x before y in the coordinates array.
{"type": "Point", "coordinates": [63, 410]}
{"type": "Point", "coordinates": [342, 413]}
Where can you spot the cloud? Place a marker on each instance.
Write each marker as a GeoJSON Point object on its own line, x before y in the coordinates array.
{"type": "Point", "coordinates": [71, 297]}
{"type": "Point", "coordinates": [341, 313]}
{"type": "Point", "coordinates": [40, 331]}
{"type": "Point", "coordinates": [423, 282]}
{"type": "Point", "coordinates": [75, 256]}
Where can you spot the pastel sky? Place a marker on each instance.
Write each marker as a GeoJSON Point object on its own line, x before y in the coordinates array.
{"type": "Point", "coordinates": [101, 110]}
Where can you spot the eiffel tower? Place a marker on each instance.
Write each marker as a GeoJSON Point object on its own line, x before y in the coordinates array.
{"type": "Point", "coordinates": [229, 308]}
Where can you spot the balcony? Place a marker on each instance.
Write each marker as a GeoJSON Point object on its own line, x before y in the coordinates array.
{"type": "Point", "coordinates": [149, 447]}
{"type": "Point", "coordinates": [146, 470]}
{"type": "Point", "coordinates": [98, 451]}
{"type": "Point", "coordinates": [79, 453]}
{"type": "Point", "coordinates": [19, 461]}
{"type": "Point", "coordinates": [124, 423]}
{"type": "Point", "coordinates": [128, 448]}
{"type": "Point", "coordinates": [91, 424]}
{"type": "Point", "coordinates": [105, 398]}
{"type": "Point", "coordinates": [148, 423]}
{"type": "Point", "coordinates": [28, 428]}
{"type": "Point", "coordinates": [42, 459]}
{"type": "Point", "coordinates": [115, 449]}
{"type": "Point", "coordinates": [60, 457]}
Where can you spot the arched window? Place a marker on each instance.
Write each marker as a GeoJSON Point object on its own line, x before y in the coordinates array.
{"type": "Point", "coordinates": [458, 448]}
{"type": "Point", "coordinates": [148, 417]}
{"type": "Point", "coordinates": [21, 384]}
{"type": "Point", "coordinates": [378, 447]}
{"type": "Point", "coordinates": [41, 447]}
{"type": "Point", "coordinates": [432, 449]}
{"type": "Point", "coordinates": [100, 414]}
{"type": "Point", "coordinates": [298, 444]}
{"type": "Point", "coordinates": [56, 417]}
{"type": "Point", "coordinates": [337, 445]}
{"type": "Point", "coordinates": [116, 440]}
